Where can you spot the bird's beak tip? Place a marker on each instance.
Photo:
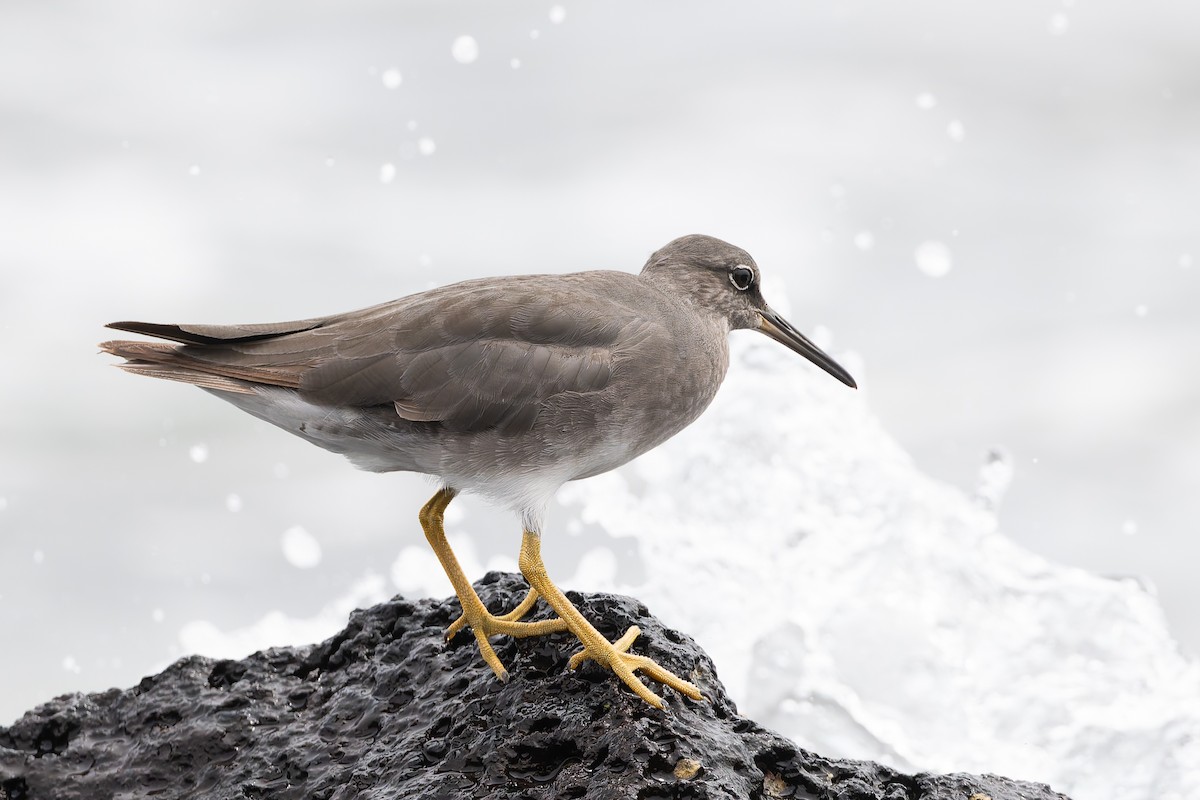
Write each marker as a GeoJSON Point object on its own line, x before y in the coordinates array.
{"type": "Point", "coordinates": [781, 331]}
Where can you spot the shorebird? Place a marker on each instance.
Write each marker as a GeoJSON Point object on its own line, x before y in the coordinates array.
{"type": "Point", "coordinates": [506, 387]}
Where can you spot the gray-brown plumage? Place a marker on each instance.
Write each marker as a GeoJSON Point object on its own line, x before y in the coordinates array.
{"type": "Point", "coordinates": [504, 386]}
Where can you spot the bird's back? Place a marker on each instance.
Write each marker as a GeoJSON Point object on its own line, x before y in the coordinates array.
{"type": "Point", "coordinates": [559, 375]}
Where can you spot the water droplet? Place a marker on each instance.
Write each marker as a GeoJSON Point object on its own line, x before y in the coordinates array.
{"type": "Point", "coordinates": [194, 170]}
{"type": "Point", "coordinates": [329, 162]}
{"type": "Point", "coordinates": [71, 665]}
{"type": "Point", "coordinates": [412, 124]}
{"type": "Point", "coordinates": [205, 578]}
{"type": "Point", "coordinates": [300, 548]}
{"type": "Point", "coordinates": [1058, 24]}
{"type": "Point", "coordinates": [465, 49]}
{"type": "Point", "coordinates": [426, 146]}
{"type": "Point", "coordinates": [198, 453]}
{"type": "Point", "coordinates": [557, 14]}
{"type": "Point", "coordinates": [387, 173]}
{"type": "Point", "coordinates": [1141, 310]}
{"type": "Point", "coordinates": [515, 63]}
{"type": "Point", "coordinates": [995, 476]}
{"type": "Point", "coordinates": [956, 131]}
{"type": "Point", "coordinates": [158, 615]}
{"type": "Point", "coordinates": [837, 191]}
{"type": "Point", "coordinates": [864, 240]}
{"type": "Point", "coordinates": [1129, 527]}
{"type": "Point", "coordinates": [535, 33]}
{"type": "Point", "coordinates": [425, 260]}
{"type": "Point", "coordinates": [392, 78]}
{"type": "Point", "coordinates": [926, 101]}
{"type": "Point", "coordinates": [233, 502]}
{"type": "Point", "coordinates": [933, 258]}
{"type": "Point", "coordinates": [38, 556]}
{"type": "Point", "coordinates": [1185, 261]}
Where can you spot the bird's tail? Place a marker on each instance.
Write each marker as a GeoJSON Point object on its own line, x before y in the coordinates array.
{"type": "Point", "coordinates": [167, 361]}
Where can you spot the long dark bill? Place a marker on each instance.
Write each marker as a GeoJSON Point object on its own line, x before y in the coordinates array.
{"type": "Point", "coordinates": [782, 331]}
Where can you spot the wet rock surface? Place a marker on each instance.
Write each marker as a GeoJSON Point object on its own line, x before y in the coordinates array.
{"type": "Point", "coordinates": [387, 709]}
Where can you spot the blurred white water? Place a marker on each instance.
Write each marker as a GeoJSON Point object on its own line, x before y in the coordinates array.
{"type": "Point", "coordinates": [864, 609]}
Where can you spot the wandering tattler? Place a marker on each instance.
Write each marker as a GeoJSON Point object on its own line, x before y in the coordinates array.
{"type": "Point", "coordinates": [506, 387]}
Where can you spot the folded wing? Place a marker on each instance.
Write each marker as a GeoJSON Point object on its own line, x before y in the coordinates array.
{"type": "Point", "coordinates": [467, 357]}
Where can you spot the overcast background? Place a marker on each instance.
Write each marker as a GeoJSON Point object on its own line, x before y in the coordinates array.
{"type": "Point", "coordinates": [234, 162]}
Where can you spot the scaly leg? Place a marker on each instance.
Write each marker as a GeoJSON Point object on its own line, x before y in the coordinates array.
{"type": "Point", "coordinates": [595, 646]}
{"type": "Point", "coordinates": [475, 614]}
{"type": "Point", "coordinates": [517, 613]}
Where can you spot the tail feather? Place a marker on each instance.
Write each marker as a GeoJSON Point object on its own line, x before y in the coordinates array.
{"type": "Point", "coordinates": [139, 351]}
{"type": "Point", "coordinates": [173, 362]}
{"type": "Point", "coordinates": [201, 379]}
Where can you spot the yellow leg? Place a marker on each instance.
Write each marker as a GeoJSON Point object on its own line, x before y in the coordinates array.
{"type": "Point", "coordinates": [595, 646]}
{"type": "Point", "coordinates": [475, 614]}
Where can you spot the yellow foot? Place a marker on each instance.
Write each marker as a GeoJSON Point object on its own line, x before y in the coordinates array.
{"type": "Point", "coordinates": [484, 624]}
{"type": "Point", "coordinates": [517, 613]}
{"type": "Point", "coordinates": [616, 656]}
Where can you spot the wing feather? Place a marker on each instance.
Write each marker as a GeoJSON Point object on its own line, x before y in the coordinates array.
{"type": "Point", "coordinates": [212, 334]}
{"type": "Point", "coordinates": [483, 354]}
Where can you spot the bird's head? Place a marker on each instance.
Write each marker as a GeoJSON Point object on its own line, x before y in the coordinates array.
{"type": "Point", "coordinates": [724, 279]}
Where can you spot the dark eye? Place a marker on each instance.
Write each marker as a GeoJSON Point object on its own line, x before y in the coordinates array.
{"type": "Point", "coordinates": [742, 278]}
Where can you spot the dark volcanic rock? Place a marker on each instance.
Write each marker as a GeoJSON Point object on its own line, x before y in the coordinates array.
{"type": "Point", "coordinates": [385, 709]}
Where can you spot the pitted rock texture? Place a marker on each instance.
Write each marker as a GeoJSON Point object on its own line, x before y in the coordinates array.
{"type": "Point", "coordinates": [386, 709]}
